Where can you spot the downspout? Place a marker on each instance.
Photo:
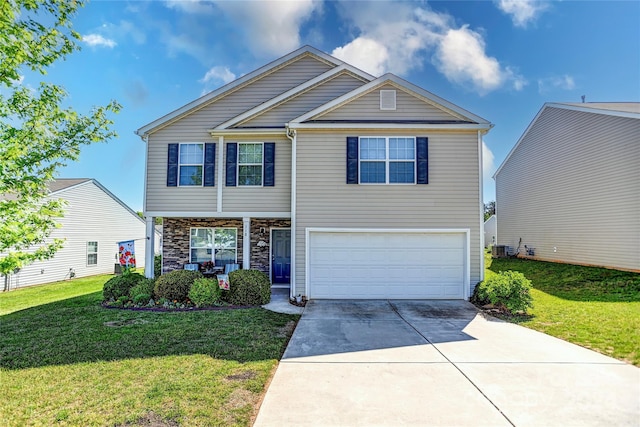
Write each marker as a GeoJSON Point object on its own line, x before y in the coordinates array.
{"type": "Point", "coordinates": [481, 194]}
{"type": "Point", "coordinates": [292, 135]}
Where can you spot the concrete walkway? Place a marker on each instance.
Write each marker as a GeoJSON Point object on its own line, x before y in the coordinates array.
{"type": "Point", "coordinates": [440, 363]}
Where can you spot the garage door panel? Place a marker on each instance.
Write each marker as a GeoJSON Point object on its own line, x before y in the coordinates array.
{"type": "Point", "coordinates": [386, 265]}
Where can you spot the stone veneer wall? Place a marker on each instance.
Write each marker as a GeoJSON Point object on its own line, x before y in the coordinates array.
{"type": "Point", "coordinates": [176, 235]}
{"type": "Point", "coordinates": [260, 259]}
{"type": "Point", "coordinates": [175, 248]}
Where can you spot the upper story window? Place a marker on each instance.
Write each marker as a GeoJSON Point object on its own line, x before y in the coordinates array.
{"type": "Point", "coordinates": [191, 159]}
{"type": "Point", "coordinates": [250, 158]}
{"type": "Point", "coordinates": [384, 160]}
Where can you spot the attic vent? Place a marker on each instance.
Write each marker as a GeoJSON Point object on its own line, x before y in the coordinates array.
{"type": "Point", "coordinates": [387, 99]}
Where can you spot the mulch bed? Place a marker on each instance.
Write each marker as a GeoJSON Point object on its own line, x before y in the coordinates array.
{"type": "Point", "coordinates": [166, 309]}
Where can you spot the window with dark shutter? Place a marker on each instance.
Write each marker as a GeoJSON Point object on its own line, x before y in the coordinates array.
{"type": "Point", "coordinates": [172, 165]}
{"type": "Point", "coordinates": [269, 164]}
{"type": "Point", "coordinates": [352, 160]}
{"type": "Point", "coordinates": [232, 161]}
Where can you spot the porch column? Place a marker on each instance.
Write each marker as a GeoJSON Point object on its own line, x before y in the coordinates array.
{"type": "Point", "coordinates": [149, 247]}
{"type": "Point", "coordinates": [246, 243]}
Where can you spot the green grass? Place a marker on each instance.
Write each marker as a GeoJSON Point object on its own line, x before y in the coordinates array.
{"type": "Point", "coordinates": [593, 307]}
{"type": "Point", "coordinates": [66, 360]}
{"type": "Point", "coordinates": [37, 295]}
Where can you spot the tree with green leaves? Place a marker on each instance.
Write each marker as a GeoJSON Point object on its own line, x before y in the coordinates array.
{"type": "Point", "coordinates": [489, 209]}
{"type": "Point", "coordinates": [37, 135]}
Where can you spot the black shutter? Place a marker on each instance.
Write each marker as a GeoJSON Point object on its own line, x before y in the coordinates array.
{"type": "Point", "coordinates": [209, 164]}
{"type": "Point", "coordinates": [352, 160]}
{"type": "Point", "coordinates": [172, 165]}
{"type": "Point", "coordinates": [269, 164]}
{"type": "Point", "coordinates": [232, 160]}
{"type": "Point", "coordinates": [422, 160]}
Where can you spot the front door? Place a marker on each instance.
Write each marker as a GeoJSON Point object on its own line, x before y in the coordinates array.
{"type": "Point", "coordinates": [281, 256]}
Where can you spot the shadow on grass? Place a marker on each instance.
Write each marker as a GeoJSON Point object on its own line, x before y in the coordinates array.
{"type": "Point", "coordinates": [574, 282]}
{"type": "Point", "coordinates": [80, 330]}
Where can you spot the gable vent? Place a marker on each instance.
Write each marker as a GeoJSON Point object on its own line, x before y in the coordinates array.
{"type": "Point", "coordinates": [387, 99]}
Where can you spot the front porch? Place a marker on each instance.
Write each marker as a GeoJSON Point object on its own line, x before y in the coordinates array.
{"type": "Point", "coordinates": [254, 243]}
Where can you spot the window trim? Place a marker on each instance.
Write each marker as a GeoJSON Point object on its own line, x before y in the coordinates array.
{"type": "Point", "coordinates": [213, 248]}
{"type": "Point", "coordinates": [202, 144]}
{"type": "Point", "coordinates": [238, 164]}
{"type": "Point", "coordinates": [387, 160]}
{"type": "Point", "coordinates": [92, 253]}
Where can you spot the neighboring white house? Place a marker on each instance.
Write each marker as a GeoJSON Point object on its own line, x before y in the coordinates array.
{"type": "Point", "coordinates": [570, 188]}
{"type": "Point", "coordinates": [490, 231]}
{"type": "Point", "coordinates": [336, 182]}
{"type": "Point", "coordinates": [94, 221]}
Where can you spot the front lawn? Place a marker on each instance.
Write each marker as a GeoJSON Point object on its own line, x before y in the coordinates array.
{"type": "Point", "coordinates": [66, 360]}
{"type": "Point", "coordinates": [596, 308]}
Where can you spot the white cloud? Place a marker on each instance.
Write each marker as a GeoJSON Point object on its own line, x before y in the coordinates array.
{"type": "Point", "coordinates": [461, 57]}
{"type": "Point", "coordinates": [399, 37]}
{"type": "Point", "coordinates": [488, 162]}
{"type": "Point", "coordinates": [364, 53]}
{"type": "Point", "coordinates": [268, 27]}
{"type": "Point", "coordinates": [522, 12]}
{"type": "Point", "coordinates": [564, 82]}
{"type": "Point", "coordinates": [215, 77]}
{"type": "Point", "coordinates": [271, 27]}
{"type": "Point", "coordinates": [96, 40]}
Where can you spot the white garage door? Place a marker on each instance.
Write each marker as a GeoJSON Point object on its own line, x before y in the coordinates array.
{"type": "Point", "coordinates": [389, 265]}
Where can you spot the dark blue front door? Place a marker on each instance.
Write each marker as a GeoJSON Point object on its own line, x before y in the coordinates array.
{"type": "Point", "coordinates": [281, 256]}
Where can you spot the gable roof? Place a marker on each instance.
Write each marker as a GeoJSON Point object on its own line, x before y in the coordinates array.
{"type": "Point", "coordinates": [342, 69]}
{"type": "Point", "coordinates": [617, 109]}
{"type": "Point", "coordinates": [61, 185]}
{"type": "Point", "coordinates": [465, 118]}
{"type": "Point", "coordinates": [211, 96]}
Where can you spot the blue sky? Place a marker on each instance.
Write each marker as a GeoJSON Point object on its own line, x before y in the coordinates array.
{"type": "Point", "coordinates": [500, 60]}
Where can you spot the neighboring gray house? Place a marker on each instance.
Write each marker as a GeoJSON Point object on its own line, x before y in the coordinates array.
{"type": "Point", "coordinates": [332, 181]}
{"type": "Point", "coordinates": [94, 221]}
{"type": "Point", "coordinates": [490, 231]}
{"type": "Point", "coordinates": [570, 188]}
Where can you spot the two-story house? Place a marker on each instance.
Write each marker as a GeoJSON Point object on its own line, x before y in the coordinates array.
{"type": "Point", "coordinates": [338, 183]}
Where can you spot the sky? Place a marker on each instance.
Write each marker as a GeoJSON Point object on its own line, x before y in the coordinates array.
{"type": "Point", "coordinates": [501, 60]}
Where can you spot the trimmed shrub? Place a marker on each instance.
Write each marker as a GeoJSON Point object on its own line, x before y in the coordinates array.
{"type": "Point", "coordinates": [143, 287]}
{"type": "Point", "coordinates": [175, 285]}
{"type": "Point", "coordinates": [141, 299]}
{"type": "Point", "coordinates": [507, 289]}
{"type": "Point", "coordinates": [157, 266]}
{"type": "Point", "coordinates": [119, 286]}
{"type": "Point", "coordinates": [249, 287]}
{"type": "Point", "coordinates": [205, 292]}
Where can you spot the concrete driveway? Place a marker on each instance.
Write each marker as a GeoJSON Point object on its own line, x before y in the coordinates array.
{"type": "Point", "coordinates": [440, 363]}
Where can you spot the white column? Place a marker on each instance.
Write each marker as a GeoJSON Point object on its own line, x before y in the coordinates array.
{"type": "Point", "coordinates": [246, 243]}
{"type": "Point", "coordinates": [149, 246]}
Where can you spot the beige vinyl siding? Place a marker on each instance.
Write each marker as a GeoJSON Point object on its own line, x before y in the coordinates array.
{"type": "Point", "coordinates": [90, 215]}
{"type": "Point", "coordinates": [159, 197]}
{"type": "Point", "coordinates": [304, 102]}
{"type": "Point", "coordinates": [573, 183]}
{"type": "Point", "coordinates": [450, 200]}
{"type": "Point", "coordinates": [194, 128]}
{"type": "Point", "coordinates": [367, 107]}
{"type": "Point", "coordinates": [263, 199]}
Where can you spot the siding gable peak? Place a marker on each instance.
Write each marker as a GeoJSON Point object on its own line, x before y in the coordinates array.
{"type": "Point", "coordinates": [241, 82]}
{"type": "Point", "coordinates": [296, 92]}
{"type": "Point", "coordinates": [448, 113]}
